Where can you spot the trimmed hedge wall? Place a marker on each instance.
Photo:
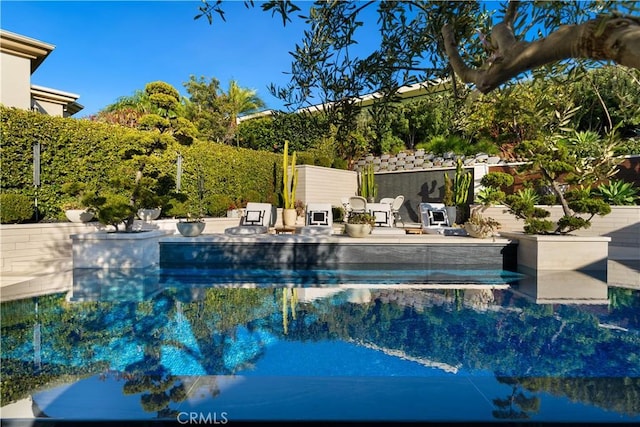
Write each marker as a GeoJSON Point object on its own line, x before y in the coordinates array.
{"type": "Point", "coordinates": [94, 153]}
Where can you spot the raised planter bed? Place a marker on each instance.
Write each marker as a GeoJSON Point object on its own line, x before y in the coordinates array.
{"type": "Point", "coordinates": [551, 252]}
{"type": "Point", "coordinates": [116, 250]}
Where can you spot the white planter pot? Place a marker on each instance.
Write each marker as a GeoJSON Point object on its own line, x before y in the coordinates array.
{"type": "Point", "coordinates": [452, 212]}
{"type": "Point", "coordinates": [190, 229]}
{"type": "Point", "coordinates": [148, 214]}
{"type": "Point", "coordinates": [78, 215]}
{"type": "Point", "coordinates": [289, 217]}
{"type": "Point", "coordinates": [357, 230]}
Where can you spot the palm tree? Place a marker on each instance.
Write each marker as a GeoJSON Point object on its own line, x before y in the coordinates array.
{"type": "Point", "coordinates": [240, 100]}
{"type": "Point", "coordinates": [126, 110]}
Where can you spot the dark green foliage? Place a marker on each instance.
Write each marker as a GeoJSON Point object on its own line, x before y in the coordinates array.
{"type": "Point", "coordinates": [548, 199]}
{"type": "Point", "coordinates": [361, 218]}
{"type": "Point", "coordinates": [15, 208]}
{"type": "Point", "coordinates": [590, 206]}
{"type": "Point", "coordinates": [522, 205]}
{"type": "Point", "coordinates": [497, 179]}
{"type": "Point", "coordinates": [113, 209]}
{"type": "Point", "coordinates": [494, 185]}
{"type": "Point", "coordinates": [338, 213]}
{"type": "Point", "coordinates": [490, 196]}
{"type": "Point", "coordinates": [454, 143]}
{"type": "Point", "coordinates": [219, 204]}
{"type": "Point", "coordinates": [100, 155]}
{"type": "Point", "coordinates": [618, 192]}
{"type": "Point", "coordinates": [571, 223]}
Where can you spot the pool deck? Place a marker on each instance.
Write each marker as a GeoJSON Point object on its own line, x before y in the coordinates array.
{"type": "Point", "coordinates": [623, 265]}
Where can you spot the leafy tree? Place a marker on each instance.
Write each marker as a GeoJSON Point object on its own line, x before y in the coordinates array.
{"type": "Point", "coordinates": [420, 40]}
{"type": "Point", "coordinates": [214, 112]}
{"type": "Point", "coordinates": [205, 108]}
{"type": "Point", "coordinates": [561, 157]}
{"type": "Point", "coordinates": [609, 96]}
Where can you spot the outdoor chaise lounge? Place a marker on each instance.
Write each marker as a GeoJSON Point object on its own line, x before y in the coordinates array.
{"type": "Point", "coordinates": [257, 219]}
{"type": "Point", "coordinates": [435, 220]}
{"type": "Point", "coordinates": [319, 219]}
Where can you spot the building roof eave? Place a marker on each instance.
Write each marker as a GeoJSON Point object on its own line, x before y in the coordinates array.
{"type": "Point", "coordinates": [25, 47]}
{"type": "Point", "coordinates": [67, 99]}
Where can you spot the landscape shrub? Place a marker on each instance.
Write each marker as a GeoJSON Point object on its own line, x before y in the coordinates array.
{"type": "Point", "coordinates": [99, 154]}
{"type": "Point", "coordinates": [15, 208]}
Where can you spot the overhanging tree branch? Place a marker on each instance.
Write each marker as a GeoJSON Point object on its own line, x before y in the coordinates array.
{"type": "Point", "coordinates": [614, 37]}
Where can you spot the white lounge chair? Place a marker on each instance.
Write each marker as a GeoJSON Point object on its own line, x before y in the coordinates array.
{"type": "Point", "coordinates": [257, 219]}
{"type": "Point", "coordinates": [435, 220]}
{"type": "Point", "coordinates": [319, 219]}
{"type": "Point", "coordinates": [381, 213]}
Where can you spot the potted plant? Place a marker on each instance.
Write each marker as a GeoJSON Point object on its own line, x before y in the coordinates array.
{"type": "Point", "coordinates": [289, 214]}
{"type": "Point", "coordinates": [300, 210]}
{"type": "Point", "coordinates": [561, 158]}
{"type": "Point", "coordinates": [190, 226]}
{"type": "Point", "coordinates": [74, 209]}
{"type": "Point", "coordinates": [359, 224]}
{"type": "Point", "coordinates": [461, 184]}
{"type": "Point", "coordinates": [481, 227]}
{"type": "Point", "coordinates": [447, 199]}
{"type": "Point", "coordinates": [151, 204]}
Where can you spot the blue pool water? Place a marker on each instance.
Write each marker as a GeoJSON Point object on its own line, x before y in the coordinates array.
{"type": "Point", "coordinates": [358, 344]}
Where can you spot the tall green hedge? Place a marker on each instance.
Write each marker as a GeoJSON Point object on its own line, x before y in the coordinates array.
{"type": "Point", "coordinates": [94, 153]}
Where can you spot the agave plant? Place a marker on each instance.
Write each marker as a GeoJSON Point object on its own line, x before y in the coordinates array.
{"type": "Point", "coordinates": [618, 192]}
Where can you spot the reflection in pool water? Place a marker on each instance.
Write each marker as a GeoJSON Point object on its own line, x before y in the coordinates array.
{"type": "Point", "coordinates": [143, 344]}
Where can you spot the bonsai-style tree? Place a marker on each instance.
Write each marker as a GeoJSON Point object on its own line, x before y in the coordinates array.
{"type": "Point", "coordinates": [137, 181]}
{"type": "Point", "coordinates": [495, 184]}
{"type": "Point", "coordinates": [561, 158]}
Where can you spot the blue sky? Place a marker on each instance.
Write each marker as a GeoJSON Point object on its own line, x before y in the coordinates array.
{"type": "Point", "coordinates": [105, 50]}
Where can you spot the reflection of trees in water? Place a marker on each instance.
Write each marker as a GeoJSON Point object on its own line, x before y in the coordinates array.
{"type": "Point", "coordinates": [517, 405]}
{"type": "Point", "coordinates": [518, 339]}
{"type": "Point", "coordinates": [148, 376]}
{"type": "Point", "coordinates": [474, 330]}
{"type": "Point", "coordinates": [621, 395]}
{"type": "Point", "coordinates": [625, 304]}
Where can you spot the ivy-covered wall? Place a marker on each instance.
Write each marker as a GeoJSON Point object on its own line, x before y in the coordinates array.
{"type": "Point", "coordinates": [94, 153]}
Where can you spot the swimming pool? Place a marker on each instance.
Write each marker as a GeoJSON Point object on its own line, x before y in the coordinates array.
{"type": "Point", "coordinates": [353, 344]}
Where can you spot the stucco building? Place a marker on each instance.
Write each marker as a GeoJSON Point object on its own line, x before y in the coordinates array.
{"type": "Point", "coordinates": [20, 57]}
